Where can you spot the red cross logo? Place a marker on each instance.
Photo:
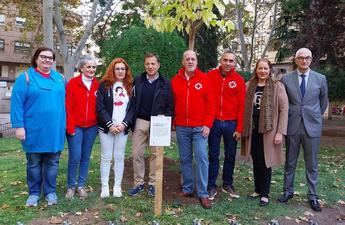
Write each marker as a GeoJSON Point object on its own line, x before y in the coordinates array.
{"type": "Point", "coordinates": [198, 86]}
{"type": "Point", "coordinates": [232, 84]}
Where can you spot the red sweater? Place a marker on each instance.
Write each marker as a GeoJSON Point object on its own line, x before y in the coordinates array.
{"type": "Point", "coordinates": [193, 99]}
{"type": "Point", "coordinates": [80, 104]}
{"type": "Point", "coordinates": [229, 94]}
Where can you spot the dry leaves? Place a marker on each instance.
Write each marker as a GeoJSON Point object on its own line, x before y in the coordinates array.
{"type": "Point", "coordinates": [123, 219]}
{"type": "Point", "coordinates": [15, 183]}
{"type": "Point", "coordinates": [55, 220]}
{"type": "Point", "coordinates": [138, 214]}
{"type": "Point", "coordinates": [4, 206]}
{"type": "Point", "coordinates": [341, 202]}
{"type": "Point", "coordinates": [308, 214]}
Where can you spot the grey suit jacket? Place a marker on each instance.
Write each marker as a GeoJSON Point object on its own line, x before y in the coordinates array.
{"type": "Point", "coordinates": [311, 107]}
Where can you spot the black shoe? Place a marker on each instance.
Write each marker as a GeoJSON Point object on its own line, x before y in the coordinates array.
{"type": "Point", "coordinates": [212, 193]}
{"type": "Point", "coordinates": [315, 205]}
{"type": "Point", "coordinates": [151, 191]}
{"type": "Point", "coordinates": [263, 203]}
{"type": "Point", "coordinates": [284, 198]}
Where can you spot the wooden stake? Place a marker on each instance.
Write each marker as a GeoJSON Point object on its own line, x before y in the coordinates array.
{"type": "Point", "coordinates": [159, 181]}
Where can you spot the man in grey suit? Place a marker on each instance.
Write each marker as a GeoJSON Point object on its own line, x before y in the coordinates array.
{"type": "Point", "coordinates": [308, 99]}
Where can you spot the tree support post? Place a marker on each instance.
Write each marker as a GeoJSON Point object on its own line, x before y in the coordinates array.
{"type": "Point", "coordinates": [159, 182]}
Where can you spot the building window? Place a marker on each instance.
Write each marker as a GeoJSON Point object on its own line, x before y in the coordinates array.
{"type": "Point", "coordinates": [20, 22]}
{"type": "Point", "coordinates": [21, 47]}
{"type": "Point", "coordinates": [4, 71]}
{"type": "Point", "coordinates": [2, 19]}
{"type": "Point", "coordinates": [2, 45]}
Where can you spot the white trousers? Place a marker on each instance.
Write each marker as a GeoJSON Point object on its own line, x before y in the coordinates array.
{"type": "Point", "coordinates": [112, 145]}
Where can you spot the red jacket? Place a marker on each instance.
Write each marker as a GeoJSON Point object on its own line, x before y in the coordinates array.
{"type": "Point", "coordinates": [229, 94]}
{"type": "Point", "coordinates": [80, 104]}
{"type": "Point", "coordinates": [193, 99]}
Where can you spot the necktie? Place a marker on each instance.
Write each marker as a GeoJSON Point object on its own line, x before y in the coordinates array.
{"type": "Point", "coordinates": [302, 86]}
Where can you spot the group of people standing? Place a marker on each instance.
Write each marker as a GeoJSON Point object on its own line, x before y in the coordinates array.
{"type": "Point", "coordinates": [205, 109]}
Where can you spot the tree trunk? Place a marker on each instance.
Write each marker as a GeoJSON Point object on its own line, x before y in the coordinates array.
{"type": "Point", "coordinates": [191, 37]}
{"type": "Point", "coordinates": [273, 27]}
{"type": "Point", "coordinates": [48, 37]}
{"type": "Point", "coordinates": [239, 7]}
{"type": "Point", "coordinates": [70, 61]}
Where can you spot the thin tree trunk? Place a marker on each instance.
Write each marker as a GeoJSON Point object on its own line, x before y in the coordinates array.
{"type": "Point", "coordinates": [239, 8]}
{"type": "Point", "coordinates": [255, 25]}
{"type": "Point", "coordinates": [48, 37]}
{"type": "Point", "coordinates": [273, 27]}
{"type": "Point", "coordinates": [70, 60]}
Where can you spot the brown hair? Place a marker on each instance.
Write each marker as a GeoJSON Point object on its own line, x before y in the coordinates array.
{"type": "Point", "coordinates": [109, 77]}
{"type": "Point", "coordinates": [37, 53]}
{"type": "Point", "coordinates": [150, 55]}
{"type": "Point", "coordinates": [257, 64]}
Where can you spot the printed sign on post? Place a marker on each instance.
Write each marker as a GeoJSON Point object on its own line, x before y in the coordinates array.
{"type": "Point", "coordinates": [160, 131]}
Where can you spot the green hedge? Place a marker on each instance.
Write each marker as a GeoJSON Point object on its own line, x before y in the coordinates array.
{"type": "Point", "coordinates": [134, 43]}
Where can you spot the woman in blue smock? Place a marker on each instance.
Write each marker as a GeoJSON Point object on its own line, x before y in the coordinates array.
{"type": "Point", "coordinates": [39, 117]}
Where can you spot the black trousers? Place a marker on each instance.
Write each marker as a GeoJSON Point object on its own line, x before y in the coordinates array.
{"type": "Point", "coordinates": [262, 174]}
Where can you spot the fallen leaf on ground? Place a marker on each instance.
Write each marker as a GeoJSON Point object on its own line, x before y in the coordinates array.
{"type": "Point", "coordinates": [14, 183]}
{"type": "Point", "coordinates": [308, 214]}
{"type": "Point", "coordinates": [341, 202]}
{"type": "Point", "coordinates": [55, 220]}
{"type": "Point", "coordinates": [138, 214]}
{"type": "Point", "coordinates": [340, 217]}
{"type": "Point", "coordinates": [288, 218]}
{"type": "Point", "coordinates": [123, 219]}
{"type": "Point", "coordinates": [78, 213]}
{"type": "Point", "coordinates": [4, 206]}
{"type": "Point", "coordinates": [303, 218]}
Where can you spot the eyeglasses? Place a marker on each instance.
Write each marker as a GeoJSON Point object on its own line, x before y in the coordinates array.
{"type": "Point", "coordinates": [89, 67]}
{"type": "Point", "coordinates": [300, 58]}
{"type": "Point", "coordinates": [120, 69]}
{"type": "Point", "coordinates": [46, 57]}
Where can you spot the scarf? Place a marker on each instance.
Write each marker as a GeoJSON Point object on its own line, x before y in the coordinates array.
{"type": "Point", "coordinates": [266, 107]}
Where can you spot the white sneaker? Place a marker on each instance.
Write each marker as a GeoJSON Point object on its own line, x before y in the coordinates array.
{"type": "Point", "coordinates": [105, 192]}
{"type": "Point", "coordinates": [117, 192]}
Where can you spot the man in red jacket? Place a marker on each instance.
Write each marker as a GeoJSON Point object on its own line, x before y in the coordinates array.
{"type": "Point", "coordinates": [194, 112]}
{"type": "Point", "coordinates": [229, 89]}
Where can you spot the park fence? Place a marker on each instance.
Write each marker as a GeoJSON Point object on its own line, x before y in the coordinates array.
{"type": "Point", "coordinates": [6, 130]}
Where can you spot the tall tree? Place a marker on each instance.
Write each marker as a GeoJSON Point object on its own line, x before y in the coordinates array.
{"type": "Point", "coordinates": [48, 23]}
{"type": "Point", "coordinates": [97, 14]}
{"type": "Point", "coordinates": [48, 36]}
{"type": "Point", "coordinates": [251, 29]}
{"type": "Point", "coordinates": [184, 15]}
{"type": "Point", "coordinates": [316, 24]}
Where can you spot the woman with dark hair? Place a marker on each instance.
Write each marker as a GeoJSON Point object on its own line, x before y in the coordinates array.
{"type": "Point", "coordinates": [39, 117]}
{"type": "Point", "coordinates": [115, 117]}
{"type": "Point", "coordinates": [265, 123]}
{"type": "Point", "coordinates": [81, 92]}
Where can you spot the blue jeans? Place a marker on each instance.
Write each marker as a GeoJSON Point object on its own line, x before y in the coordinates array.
{"type": "Point", "coordinates": [187, 139]}
{"type": "Point", "coordinates": [79, 151]}
{"type": "Point", "coordinates": [219, 129]}
{"type": "Point", "coordinates": [41, 172]}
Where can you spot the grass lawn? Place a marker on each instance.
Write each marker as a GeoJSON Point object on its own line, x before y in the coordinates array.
{"type": "Point", "coordinates": [139, 210]}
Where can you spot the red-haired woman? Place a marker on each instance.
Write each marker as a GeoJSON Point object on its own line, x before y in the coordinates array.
{"type": "Point", "coordinates": [115, 117]}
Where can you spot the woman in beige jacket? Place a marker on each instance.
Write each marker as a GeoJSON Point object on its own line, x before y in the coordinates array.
{"type": "Point", "coordinates": [265, 123]}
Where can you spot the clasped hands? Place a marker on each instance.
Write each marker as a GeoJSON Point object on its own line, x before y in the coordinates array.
{"type": "Point", "coordinates": [116, 129]}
